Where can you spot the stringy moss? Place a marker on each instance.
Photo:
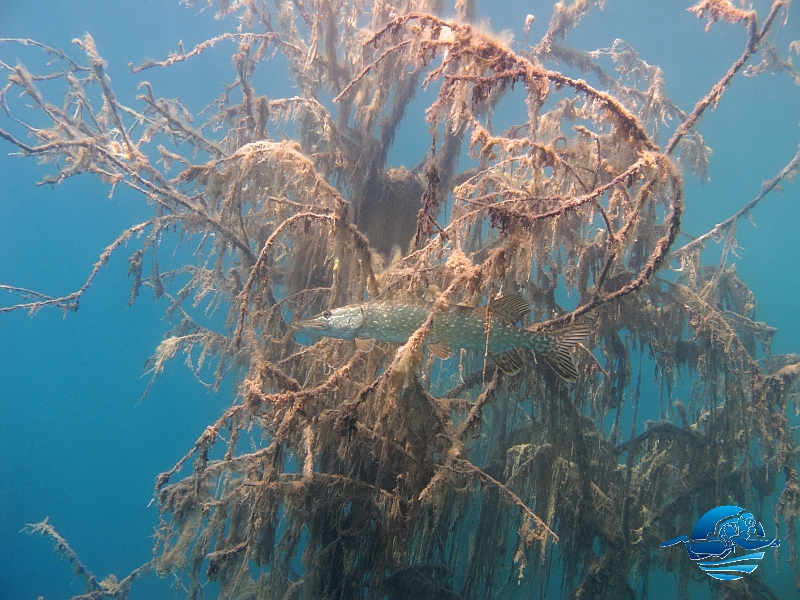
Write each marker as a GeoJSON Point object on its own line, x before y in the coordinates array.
{"type": "Point", "coordinates": [361, 475]}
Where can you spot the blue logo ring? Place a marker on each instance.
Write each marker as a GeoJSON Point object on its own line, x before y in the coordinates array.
{"type": "Point", "coordinates": [717, 534]}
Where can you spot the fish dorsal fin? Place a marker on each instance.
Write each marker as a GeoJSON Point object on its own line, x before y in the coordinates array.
{"type": "Point", "coordinates": [512, 308]}
{"type": "Point", "coordinates": [440, 349]}
{"type": "Point", "coordinates": [365, 345]}
{"type": "Point", "coordinates": [509, 362]}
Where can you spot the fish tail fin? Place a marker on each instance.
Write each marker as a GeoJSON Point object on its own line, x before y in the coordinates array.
{"type": "Point", "coordinates": [559, 357]}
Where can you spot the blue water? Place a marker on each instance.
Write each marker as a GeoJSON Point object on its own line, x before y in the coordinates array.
{"type": "Point", "coordinates": [78, 448]}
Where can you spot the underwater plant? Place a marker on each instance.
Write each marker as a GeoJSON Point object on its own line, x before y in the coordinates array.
{"type": "Point", "coordinates": [404, 470]}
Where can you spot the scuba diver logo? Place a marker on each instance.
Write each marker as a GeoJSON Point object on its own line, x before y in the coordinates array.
{"type": "Point", "coordinates": [717, 533]}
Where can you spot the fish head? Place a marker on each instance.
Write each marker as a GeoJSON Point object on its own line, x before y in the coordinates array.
{"type": "Point", "coordinates": [342, 323]}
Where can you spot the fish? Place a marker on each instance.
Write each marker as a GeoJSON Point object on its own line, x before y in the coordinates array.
{"type": "Point", "coordinates": [457, 326]}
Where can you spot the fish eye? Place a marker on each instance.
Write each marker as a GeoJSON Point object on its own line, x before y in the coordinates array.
{"type": "Point", "coordinates": [326, 315]}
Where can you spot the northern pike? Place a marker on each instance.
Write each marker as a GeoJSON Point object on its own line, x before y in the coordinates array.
{"type": "Point", "coordinates": [455, 327]}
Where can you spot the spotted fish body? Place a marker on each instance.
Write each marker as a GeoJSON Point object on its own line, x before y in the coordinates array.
{"type": "Point", "coordinates": [455, 327]}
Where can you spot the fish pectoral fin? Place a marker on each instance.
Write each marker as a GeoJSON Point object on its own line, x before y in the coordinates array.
{"type": "Point", "coordinates": [441, 349]}
{"type": "Point", "coordinates": [563, 340]}
{"type": "Point", "coordinates": [509, 361]}
{"type": "Point", "coordinates": [512, 308]}
{"type": "Point", "coordinates": [365, 345]}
